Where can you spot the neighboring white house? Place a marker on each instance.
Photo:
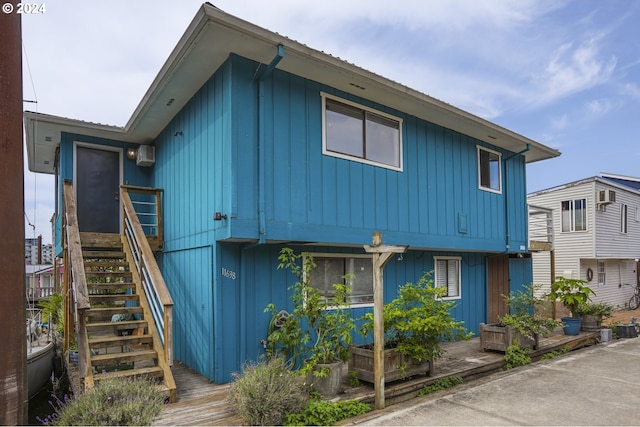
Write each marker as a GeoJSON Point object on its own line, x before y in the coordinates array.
{"type": "Point", "coordinates": [596, 235]}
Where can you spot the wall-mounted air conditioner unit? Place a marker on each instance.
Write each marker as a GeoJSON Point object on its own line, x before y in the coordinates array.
{"type": "Point", "coordinates": [606, 196]}
{"type": "Point", "coordinates": [146, 155]}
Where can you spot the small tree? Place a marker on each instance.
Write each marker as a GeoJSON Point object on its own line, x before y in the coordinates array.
{"type": "Point", "coordinates": [318, 330]}
{"type": "Point", "coordinates": [418, 320]}
{"type": "Point", "coordinates": [571, 292]}
{"type": "Point", "coordinates": [525, 314]}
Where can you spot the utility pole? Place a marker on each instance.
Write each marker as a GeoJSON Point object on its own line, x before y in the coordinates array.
{"type": "Point", "coordinates": [13, 369]}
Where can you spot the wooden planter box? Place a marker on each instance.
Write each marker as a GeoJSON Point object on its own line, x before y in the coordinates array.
{"type": "Point", "coordinates": [498, 337]}
{"type": "Point", "coordinates": [361, 361]}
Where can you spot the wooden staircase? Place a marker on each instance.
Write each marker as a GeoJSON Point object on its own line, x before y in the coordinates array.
{"type": "Point", "coordinates": [121, 335]}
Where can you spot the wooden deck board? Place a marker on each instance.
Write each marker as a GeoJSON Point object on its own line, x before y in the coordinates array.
{"type": "Point", "coordinates": [203, 403]}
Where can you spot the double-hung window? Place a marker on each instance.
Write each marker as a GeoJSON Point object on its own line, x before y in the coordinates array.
{"type": "Point", "coordinates": [574, 215]}
{"type": "Point", "coordinates": [602, 271]}
{"type": "Point", "coordinates": [354, 132]}
{"type": "Point", "coordinates": [447, 275]}
{"type": "Point", "coordinates": [489, 170]}
{"type": "Point", "coordinates": [331, 269]}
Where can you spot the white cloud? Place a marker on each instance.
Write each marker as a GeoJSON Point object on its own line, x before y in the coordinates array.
{"type": "Point", "coordinates": [573, 68]}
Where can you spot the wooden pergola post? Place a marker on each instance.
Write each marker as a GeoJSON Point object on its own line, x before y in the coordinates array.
{"type": "Point", "coordinates": [381, 255]}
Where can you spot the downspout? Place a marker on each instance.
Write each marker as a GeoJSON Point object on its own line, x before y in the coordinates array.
{"type": "Point", "coordinates": [261, 75]}
{"type": "Point", "coordinates": [506, 201]}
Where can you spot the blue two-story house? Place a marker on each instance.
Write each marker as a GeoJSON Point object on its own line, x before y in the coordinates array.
{"type": "Point", "coordinates": [259, 142]}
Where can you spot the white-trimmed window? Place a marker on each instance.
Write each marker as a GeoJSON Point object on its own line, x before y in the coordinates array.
{"type": "Point", "coordinates": [447, 275]}
{"type": "Point", "coordinates": [574, 215]}
{"type": "Point", "coordinates": [355, 132]}
{"type": "Point", "coordinates": [623, 218]}
{"type": "Point", "coordinates": [602, 271]}
{"type": "Point", "coordinates": [637, 214]}
{"type": "Point", "coordinates": [489, 170]}
{"type": "Point", "coordinates": [332, 268]}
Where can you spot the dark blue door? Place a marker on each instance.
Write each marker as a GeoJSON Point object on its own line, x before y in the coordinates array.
{"type": "Point", "coordinates": [98, 190]}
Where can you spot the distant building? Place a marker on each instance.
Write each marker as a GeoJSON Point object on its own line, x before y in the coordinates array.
{"type": "Point", "coordinates": [33, 248]}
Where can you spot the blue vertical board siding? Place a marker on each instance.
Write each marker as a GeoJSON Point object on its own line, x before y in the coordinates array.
{"type": "Point", "coordinates": [251, 280]}
{"type": "Point", "coordinates": [307, 194]}
{"type": "Point", "coordinates": [188, 274]}
{"type": "Point", "coordinates": [520, 273]}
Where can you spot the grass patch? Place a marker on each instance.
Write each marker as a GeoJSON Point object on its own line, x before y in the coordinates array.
{"type": "Point", "coordinates": [440, 384]}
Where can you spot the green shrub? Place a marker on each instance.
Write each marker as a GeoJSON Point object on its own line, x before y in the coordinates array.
{"type": "Point", "coordinates": [552, 354]}
{"type": "Point", "coordinates": [325, 413]}
{"type": "Point", "coordinates": [266, 391]}
{"type": "Point", "coordinates": [516, 356]}
{"type": "Point", "coordinates": [116, 402]}
{"type": "Point", "coordinates": [353, 378]}
{"type": "Point", "coordinates": [440, 384]}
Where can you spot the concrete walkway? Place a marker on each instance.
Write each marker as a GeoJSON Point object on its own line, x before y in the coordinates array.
{"type": "Point", "coordinates": [599, 385]}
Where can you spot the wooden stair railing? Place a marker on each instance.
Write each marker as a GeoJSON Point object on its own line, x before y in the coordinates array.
{"type": "Point", "coordinates": [115, 326]}
{"type": "Point", "coordinates": [75, 285]}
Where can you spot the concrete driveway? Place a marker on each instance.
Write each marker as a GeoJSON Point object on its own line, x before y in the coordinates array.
{"type": "Point", "coordinates": [599, 385]}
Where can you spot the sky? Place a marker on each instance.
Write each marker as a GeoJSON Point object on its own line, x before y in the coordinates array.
{"type": "Point", "coordinates": [563, 73]}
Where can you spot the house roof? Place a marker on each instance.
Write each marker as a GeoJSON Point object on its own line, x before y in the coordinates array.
{"type": "Point", "coordinates": [208, 41]}
{"type": "Point", "coordinates": [618, 181]}
{"type": "Point", "coordinates": [627, 181]}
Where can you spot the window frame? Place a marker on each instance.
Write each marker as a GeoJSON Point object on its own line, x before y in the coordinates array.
{"type": "Point", "coordinates": [480, 169]}
{"type": "Point", "coordinates": [459, 273]}
{"type": "Point", "coordinates": [328, 152]}
{"type": "Point", "coordinates": [602, 273]}
{"type": "Point", "coordinates": [624, 218]}
{"type": "Point", "coordinates": [572, 218]}
{"type": "Point", "coordinates": [344, 256]}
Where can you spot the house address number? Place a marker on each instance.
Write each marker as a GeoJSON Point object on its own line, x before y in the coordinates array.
{"type": "Point", "coordinates": [228, 274]}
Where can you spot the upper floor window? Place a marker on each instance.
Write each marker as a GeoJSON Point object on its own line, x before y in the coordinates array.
{"type": "Point", "coordinates": [489, 170]}
{"type": "Point", "coordinates": [355, 132]}
{"type": "Point", "coordinates": [623, 218]}
{"type": "Point", "coordinates": [331, 269]}
{"type": "Point", "coordinates": [574, 215]}
{"type": "Point", "coordinates": [447, 275]}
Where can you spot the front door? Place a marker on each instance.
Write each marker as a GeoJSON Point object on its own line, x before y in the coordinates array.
{"type": "Point", "coordinates": [498, 286]}
{"type": "Point", "coordinates": [98, 190]}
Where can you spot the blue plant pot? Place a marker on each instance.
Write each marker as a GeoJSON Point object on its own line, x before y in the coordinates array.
{"type": "Point", "coordinates": [571, 325]}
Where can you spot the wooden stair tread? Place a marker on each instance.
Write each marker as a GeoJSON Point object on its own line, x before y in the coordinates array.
{"type": "Point", "coordinates": [154, 371]}
{"type": "Point", "coordinates": [124, 324]}
{"type": "Point", "coordinates": [111, 262]}
{"type": "Point", "coordinates": [124, 357]}
{"type": "Point", "coordinates": [91, 254]}
{"type": "Point", "coordinates": [112, 285]}
{"type": "Point", "coordinates": [112, 297]}
{"type": "Point", "coordinates": [114, 310]}
{"type": "Point", "coordinates": [111, 274]}
{"type": "Point", "coordinates": [119, 340]}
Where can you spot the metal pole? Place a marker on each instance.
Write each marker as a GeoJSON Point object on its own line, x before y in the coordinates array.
{"type": "Point", "coordinates": [13, 369]}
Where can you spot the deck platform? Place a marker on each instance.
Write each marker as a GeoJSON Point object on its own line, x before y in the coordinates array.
{"type": "Point", "coordinates": [203, 403]}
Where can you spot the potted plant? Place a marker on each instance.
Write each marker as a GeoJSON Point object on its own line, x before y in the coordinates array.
{"type": "Point", "coordinates": [316, 334]}
{"type": "Point", "coordinates": [592, 315]}
{"type": "Point", "coordinates": [572, 293]}
{"type": "Point", "coordinates": [415, 324]}
{"type": "Point", "coordinates": [523, 325]}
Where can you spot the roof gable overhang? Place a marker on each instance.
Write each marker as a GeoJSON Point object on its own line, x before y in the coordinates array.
{"type": "Point", "coordinates": [209, 40]}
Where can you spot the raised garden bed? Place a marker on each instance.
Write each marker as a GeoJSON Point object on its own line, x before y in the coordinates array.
{"type": "Point", "coordinates": [396, 365]}
{"type": "Point", "coordinates": [498, 337]}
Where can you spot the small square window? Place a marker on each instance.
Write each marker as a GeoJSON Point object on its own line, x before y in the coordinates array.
{"type": "Point", "coordinates": [489, 170]}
